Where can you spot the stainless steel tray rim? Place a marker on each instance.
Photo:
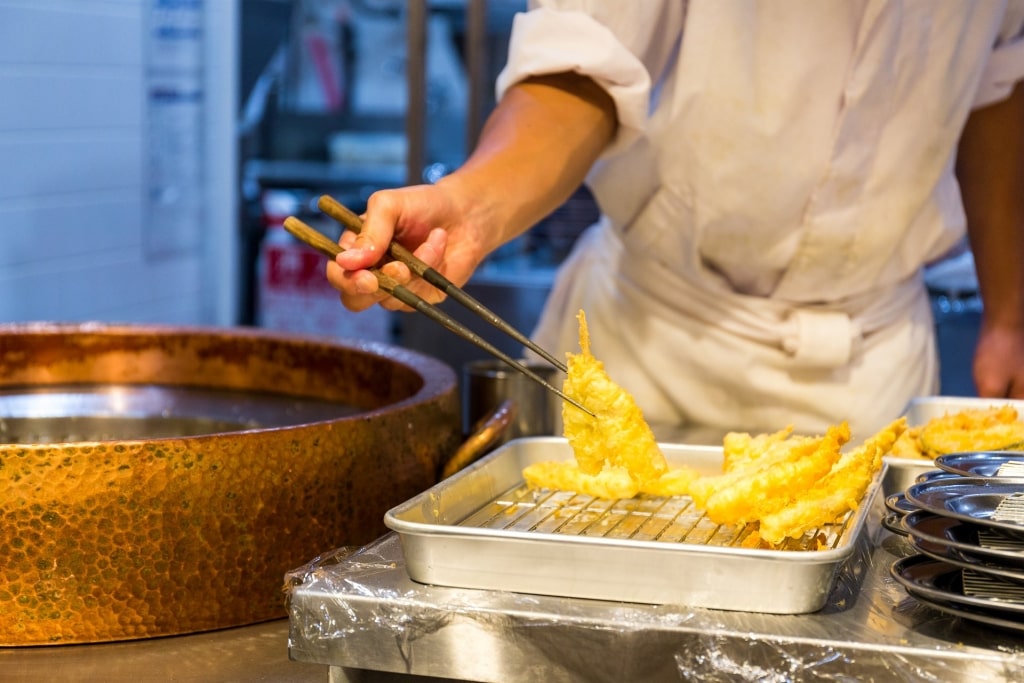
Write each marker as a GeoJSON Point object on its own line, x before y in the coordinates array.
{"type": "Point", "coordinates": [427, 530]}
{"type": "Point", "coordinates": [467, 532]}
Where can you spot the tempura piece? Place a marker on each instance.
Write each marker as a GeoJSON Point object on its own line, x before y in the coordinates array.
{"type": "Point", "coordinates": [776, 452]}
{"type": "Point", "coordinates": [981, 429]}
{"type": "Point", "coordinates": [675, 482]}
{"type": "Point", "coordinates": [746, 495]}
{"type": "Point", "coordinates": [909, 445]}
{"type": "Point", "coordinates": [618, 435]}
{"type": "Point", "coordinates": [611, 482]}
{"type": "Point", "coordinates": [840, 491]}
{"type": "Point", "coordinates": [740, 449]}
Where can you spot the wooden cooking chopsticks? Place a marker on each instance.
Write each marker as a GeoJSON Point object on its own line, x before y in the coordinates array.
{"type": "Point", "coordinates": [331, 249]}
{"type": "Point", "coordinates": [350, 220]}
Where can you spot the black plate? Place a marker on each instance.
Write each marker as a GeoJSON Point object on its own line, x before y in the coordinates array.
{"type": "Point", "coordinates": [897, 502]}
{"type": "Point", "coordinates": [958, 536]}
{"type": "Point", "coordinates": [972, 615]}
{"type": "Point", "coordinates": [893, 521]}
{"type": "Point", "coordinates": [932, 475]}
{"type": "Point", "coordinates": [956, 558]}
{"type": "Point", "coordinates": [977, 463]}
{"type": "Point", "coordinates": [969, 499]}
{"type": "Point", "coordinates": [940, 585]}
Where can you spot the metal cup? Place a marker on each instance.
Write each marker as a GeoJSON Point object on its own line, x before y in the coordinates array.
{"type": "Point", "coordinates": [487, 383]}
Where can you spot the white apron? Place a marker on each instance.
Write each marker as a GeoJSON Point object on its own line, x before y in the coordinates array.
{"type": "Point", "coordinates": [694, 358]}
{"type": "Point", "coordinates": [766, 220]}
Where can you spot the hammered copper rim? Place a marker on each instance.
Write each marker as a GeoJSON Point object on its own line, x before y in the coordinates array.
{"type": "Point", "coordinates": [150, 537]}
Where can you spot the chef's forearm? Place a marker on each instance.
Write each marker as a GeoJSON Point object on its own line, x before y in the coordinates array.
{"type": "Point", "coordinates": [990, 168]}
{"type": "Point", "coordinates": [534, 151]}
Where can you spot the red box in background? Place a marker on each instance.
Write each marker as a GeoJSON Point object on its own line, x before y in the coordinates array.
{"type": "Point", "coordinates": [293, 294]}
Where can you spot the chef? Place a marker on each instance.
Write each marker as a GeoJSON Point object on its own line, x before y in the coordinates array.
{"type": "Point", "coordinates": [772, 178]}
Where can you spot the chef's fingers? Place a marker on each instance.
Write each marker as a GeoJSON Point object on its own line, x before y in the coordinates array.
{"type": "Point", "coordinates": [999, 363]}
{"type": "Point", "coordinates": [399, 272]}
{"type": "Point", "coordinates": [348, 239]}
{"type": "Point", "coordinates": [383, 212]}
{"type": "Point", "coordinates": [359, 289]}
{"type": "Point", "coordinates": [431, 252]}
{"type": "Point", "coordinates": [433, 248]}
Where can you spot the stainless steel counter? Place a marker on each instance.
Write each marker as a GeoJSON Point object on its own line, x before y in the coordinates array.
{"type": "Point", "coordinates": [359, 614]}
{"type": "Point", "coordinates": [250, 653]}
{"type": "Point", "coordinates": [358, 617]}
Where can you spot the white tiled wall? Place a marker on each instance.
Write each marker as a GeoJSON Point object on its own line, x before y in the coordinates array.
{"type": "Point", "coordinates": [72, 169]}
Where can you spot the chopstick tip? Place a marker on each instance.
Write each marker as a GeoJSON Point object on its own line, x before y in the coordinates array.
{"type": "Point", "coordinates": [579, 405]}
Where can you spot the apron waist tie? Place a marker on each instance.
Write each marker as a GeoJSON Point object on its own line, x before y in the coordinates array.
{"type": "Point", "coordinates": [820, 339]}
{"type": "Point", "coordinates": [813, 335]}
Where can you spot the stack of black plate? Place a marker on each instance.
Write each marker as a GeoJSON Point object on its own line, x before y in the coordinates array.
{"type": "Point", "coordinates": [966, 522]}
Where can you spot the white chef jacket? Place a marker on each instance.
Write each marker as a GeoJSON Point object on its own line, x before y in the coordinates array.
{"type": "Point", "coordinates": [781, 172]}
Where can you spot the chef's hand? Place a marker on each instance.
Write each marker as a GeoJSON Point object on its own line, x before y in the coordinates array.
{"type": "Point", "coordinates": [999, 363]}
{"type": "Point", "coordinates": [533, 152]}
{"type": "Point", "coordinates": [429, 220]}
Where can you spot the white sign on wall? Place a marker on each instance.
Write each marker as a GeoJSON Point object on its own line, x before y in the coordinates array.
{"type": "Point", "coordinates": [175, 200]}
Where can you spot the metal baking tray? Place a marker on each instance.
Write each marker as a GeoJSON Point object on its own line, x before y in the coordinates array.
{"type": "Point", "coordinates": [924, 408]}
{"type": "Point", "coordinates": [483, 528]}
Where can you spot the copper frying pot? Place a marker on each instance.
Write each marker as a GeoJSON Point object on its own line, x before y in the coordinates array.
{"type": "Point", "coordinates": [110, 539]}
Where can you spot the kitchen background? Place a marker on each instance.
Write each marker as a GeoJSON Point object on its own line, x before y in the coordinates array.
{"type": "Point", "coordinates": [152, 147]}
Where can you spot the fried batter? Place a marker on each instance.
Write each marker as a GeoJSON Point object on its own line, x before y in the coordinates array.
{"type": "Point", "coordinates": [675, 482]}
{"type": "Point", "coordinates": [777, 451]}
{"type": "Point", "coordinates": [618, 435]}
{"type": "Point", "coordinates": [983, 429]}
{"type": "Point", "coordinates": [838, 492]}
{"type": "Point", "coordinates": [743, 496]}
{"type": "Point", "coordinates": [778, 484]}
{"type": "Point", "coordinates": [611, 482]}
{"type": "Point", "coordinates": [909, 445]}
{"type": "Point", "coordinates": [972, 429]}
{"type": "Point", "coordinates": [740, 450]}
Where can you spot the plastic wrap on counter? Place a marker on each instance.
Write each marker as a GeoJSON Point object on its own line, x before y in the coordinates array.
{"type": "Point", "coordinates": [356, 608]}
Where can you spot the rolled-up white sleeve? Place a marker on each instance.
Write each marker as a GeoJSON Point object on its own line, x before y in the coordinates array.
{"type": "Point", "coordinates": [1006, 65]}
{"type": "Point", "coordinates": [622, 46]}
{"type": "Point", "coordinates": [1004, 69]}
